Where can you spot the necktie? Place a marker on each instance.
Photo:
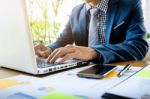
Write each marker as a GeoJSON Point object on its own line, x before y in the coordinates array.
{"type": "Point", "coordinates": [93, 38]}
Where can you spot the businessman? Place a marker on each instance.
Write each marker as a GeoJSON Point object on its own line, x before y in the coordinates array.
{"type": "Point", "coordinates": [101, 31]}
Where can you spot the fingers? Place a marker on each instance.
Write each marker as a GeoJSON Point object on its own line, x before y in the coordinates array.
{"type": "Point", "coordinates": [71, 52]}
{"type": "Point", "coordinates": [38, 50]}
{"type": "Point", "coordinates": [38, 46]}
{"type": "Point", "coordinates": [67, 57]}
{"type": "Point", "coordinates": [60, 52]}
{"type": "Point", "coordinates": [55, 55]}
{"type": "Point", "coordinates": [42, 51]}
{"type": "Point", "coordinates": [69, 46]}
{"type": "Point", "coordinates": [43, 54]}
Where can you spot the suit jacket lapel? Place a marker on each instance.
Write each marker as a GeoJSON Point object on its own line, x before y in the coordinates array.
{"type": "Point", "coordinates": [83, 22]}
{"type": "Point", "coordinates": [112, 9]}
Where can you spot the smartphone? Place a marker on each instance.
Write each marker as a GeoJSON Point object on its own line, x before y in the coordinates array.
{"type": "Point", "coordinates": [97, 71]}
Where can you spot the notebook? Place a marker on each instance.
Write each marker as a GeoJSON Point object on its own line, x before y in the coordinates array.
{"type": "Point", "coordinates": [17, 49]}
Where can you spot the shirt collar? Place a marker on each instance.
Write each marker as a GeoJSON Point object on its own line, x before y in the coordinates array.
{"type": "Point", "coordinates": [103, 6]}
{"type": "Point", "coordinates": [88, 7]}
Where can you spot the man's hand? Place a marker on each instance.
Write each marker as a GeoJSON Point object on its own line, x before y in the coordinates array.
{"type": "Point", "coordinates": [72, 52]}
{"type": "Point", "coordinates": [42, 51]}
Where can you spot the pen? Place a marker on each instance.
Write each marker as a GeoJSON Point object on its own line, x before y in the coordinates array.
{"type": "Point", "coordinates": [124, 70]}
{"type": "Point", "coordinates": [118, 25]}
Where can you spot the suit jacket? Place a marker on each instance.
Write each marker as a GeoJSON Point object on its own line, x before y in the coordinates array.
{"type": "Point", "coordinates": [124, 34]}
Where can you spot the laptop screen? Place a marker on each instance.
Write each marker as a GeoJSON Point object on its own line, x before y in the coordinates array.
{"type": "Point", "coordinates": [16, 50]}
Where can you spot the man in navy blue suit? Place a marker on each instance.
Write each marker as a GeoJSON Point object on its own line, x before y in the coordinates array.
{"type": "Point", "coordinates": [117, 35]}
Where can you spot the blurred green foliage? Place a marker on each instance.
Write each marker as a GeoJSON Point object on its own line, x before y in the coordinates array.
{"type": "Point", "coordinates": [46, 28]}
{"type": "Point", "coordinates": [148, 35]}
{"type": "Point", "coordinates": [44, 32]}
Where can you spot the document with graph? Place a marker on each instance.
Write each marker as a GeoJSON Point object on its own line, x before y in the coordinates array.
{"type": "Point", "coordinates": [65, 84]}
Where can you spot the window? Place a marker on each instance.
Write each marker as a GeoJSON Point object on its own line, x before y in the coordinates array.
{"type": "Point", "coordinates": [48, 18]}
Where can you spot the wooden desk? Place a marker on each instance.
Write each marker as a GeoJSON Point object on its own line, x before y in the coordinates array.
{"type": "Point", "coordinates": [4, 73]}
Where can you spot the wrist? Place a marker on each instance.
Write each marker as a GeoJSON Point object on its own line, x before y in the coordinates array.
{"type": "Point", "coordinates": [97, 57]}
{"type": "Point", "coordinates": [95, 54]}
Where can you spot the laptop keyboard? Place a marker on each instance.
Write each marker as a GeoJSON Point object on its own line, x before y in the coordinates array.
{"type": "Point", "coordinates": [42, 63]}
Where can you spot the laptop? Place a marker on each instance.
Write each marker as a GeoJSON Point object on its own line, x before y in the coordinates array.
{"type": "Point", "coordinates": [17, 49]}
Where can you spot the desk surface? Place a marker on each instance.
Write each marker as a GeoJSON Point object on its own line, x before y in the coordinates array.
{"type": "Point", "coordinates": [4, 73]}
